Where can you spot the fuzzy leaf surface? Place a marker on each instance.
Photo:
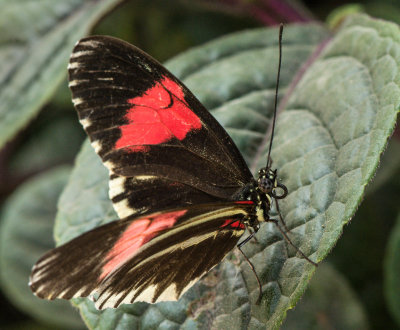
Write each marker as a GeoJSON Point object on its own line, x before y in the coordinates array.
{"type": "Point", "coordinates": [335, 117]}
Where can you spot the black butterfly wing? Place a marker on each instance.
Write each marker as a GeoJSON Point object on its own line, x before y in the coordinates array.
{"type": "Point", "coordinates": [150, 130]}
{"type": "Point", "coordinates": [143, 194]}
{"type": "Point", "coordinates": [173, 174]}
{"type": "Point", "coordinates": [154, 257]}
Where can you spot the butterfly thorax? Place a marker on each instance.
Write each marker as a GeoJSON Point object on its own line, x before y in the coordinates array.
{"type": "Point", "coordinates": [261, 192]}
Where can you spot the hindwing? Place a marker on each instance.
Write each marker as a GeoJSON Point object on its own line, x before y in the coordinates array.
{"type": "Point", "coordinates": [142, 194]}
{"type": "Point", "coordinates": [150, 258]}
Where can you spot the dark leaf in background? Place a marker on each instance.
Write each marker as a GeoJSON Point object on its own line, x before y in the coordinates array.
{"type": "Point", "coordinates": [26, 232]}
{"type": "Point", "coordinates": [328, 303]}
{"type": "Point", "coordinates": [392, 271]}
{"type": "Point", "coordinates": [60, 139]}
{"type": "Point", "coordinates": [268, 12]}
{"type": "Point", "coordinates": [34, 60]}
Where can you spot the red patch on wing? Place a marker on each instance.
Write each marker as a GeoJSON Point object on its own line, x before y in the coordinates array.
{"type": "Point", "coordinates": [235, 224]}
{"type": "Point", "coordinates": [138, 233]}
{"type": "Point", "coordinates": [157, 116]}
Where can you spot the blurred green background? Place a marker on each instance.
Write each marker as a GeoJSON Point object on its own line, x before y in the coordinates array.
{"type": "Point", "coordinates": [164, 29]}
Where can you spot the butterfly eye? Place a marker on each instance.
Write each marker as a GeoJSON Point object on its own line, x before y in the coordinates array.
{"type": "Point", "coordinates": [266, 184]}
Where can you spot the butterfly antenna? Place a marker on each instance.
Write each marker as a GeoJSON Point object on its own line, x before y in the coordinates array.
{"type": "Point", "coordinates": [269, 162]}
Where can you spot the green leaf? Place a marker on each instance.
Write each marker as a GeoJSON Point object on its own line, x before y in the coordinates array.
{"type": "Point", "coordinates": [77, 212]}
{"type": "Point", "coordinates": [328, 303]}
{"type": "Point", "coordinates": [34, 60]}
{"type": "Point", "coordinates": [43, 149]}
{"type": "Point", "coordinates": [392, 273]}
{"type": "Point", "coordinates": [25, 234]}
{"type": "Point", "coordinates": [336, 114]}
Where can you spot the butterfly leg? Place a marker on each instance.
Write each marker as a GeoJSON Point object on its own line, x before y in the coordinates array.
{"type": "Point", "coordinates": [252, 235]}
{"type": "Point", "coordinates": [251, 266]}
{"type": "Point", "coordinates": [246, 240]}
{"type": "Point", "coordinates": [290, 242]}
{"type": "Point", "coordinates": [253, 231]}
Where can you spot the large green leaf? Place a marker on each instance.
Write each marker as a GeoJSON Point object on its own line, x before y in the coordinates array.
{"type": "Point", "coordinates": [338, 109]}
{"type": "Point", "coordinates": [34, 60]}
{"type": "Point", "coordinates": [78, 213]}
{"type": "Point", "coordinates": [26, 232]}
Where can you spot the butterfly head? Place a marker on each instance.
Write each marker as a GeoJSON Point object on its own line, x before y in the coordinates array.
{"type": "Point", "coordinates": [268, 183]}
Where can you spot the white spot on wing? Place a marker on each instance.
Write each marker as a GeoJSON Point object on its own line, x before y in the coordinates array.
{"type": "Point", "coordinates": [109, 165]}
{"type": "Point", "coordinates": [73, 65]}
{"type": "Point", "coordinates": [146, 295]}
{"type": "Point", "coordinates": [169, 294]}
{"type": "Point", "coordinates": [46, 260]}
{"type": "Point", "coordinates": [77, 100]}
{"type": "Point", "coordinates": [76, 82]}
{"type": "Point", "coordinates": [145, 177]}
{"type": "Point", "coordinates": [85, 122]}
{"type": "Point", "coordinates": [81, 53]}
{"type": "Point", "coordinates": [129, 297]}
{"type": "Point", "coordinates": [39, 274]}
{"type": "Point", "coordinates": [108, 299]}
{"type": "Point", "coordinates": [90, 43]}
{"type": "Point", "coordinates": [62, 294]}
{"type": "Point", "coordinates": [147, 67]}
{"type": "Point", "coordinates": [123, 209]}
{"type": "Point", "coordinates": [96, 146]}
{"type": "Point", "coordinates": [40, 292]}
{"type": "Point", "coordinates": [79, 292]}
{"type": "Point", "coordinates": [73, 83]}
{"type": "Point", "coordinates": [116, 186]}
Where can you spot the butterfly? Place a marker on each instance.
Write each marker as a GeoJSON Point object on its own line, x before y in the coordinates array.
{"type": "Point", "coordinates": [182, 189]}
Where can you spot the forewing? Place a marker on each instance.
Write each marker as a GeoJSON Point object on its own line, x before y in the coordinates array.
{"type": "Point", "coordinates": [151, 258]}
{"type": "Point", "coordinates": [144, 122]}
